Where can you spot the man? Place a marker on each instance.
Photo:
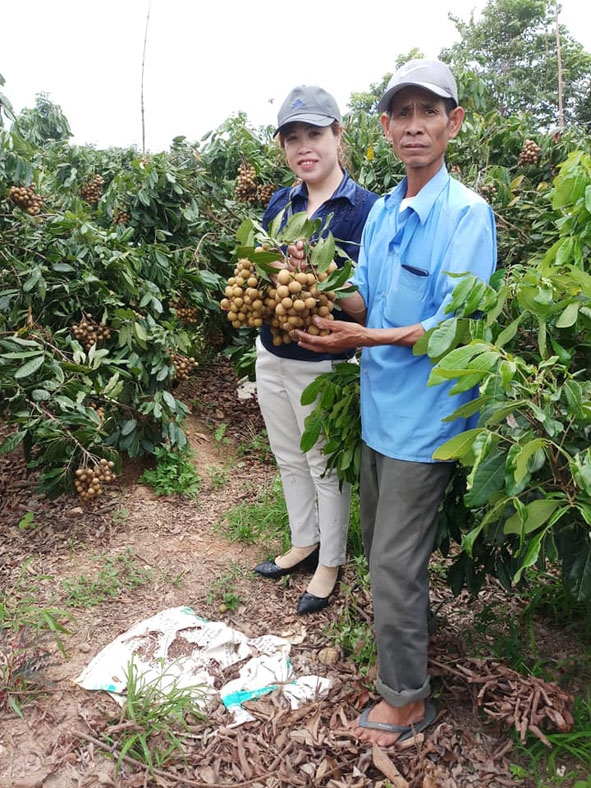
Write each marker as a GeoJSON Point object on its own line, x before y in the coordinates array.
{"type": "Point", "coordinates": [428, 227]}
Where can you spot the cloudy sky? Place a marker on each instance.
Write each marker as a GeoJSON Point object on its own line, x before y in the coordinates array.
{"type": "Point", "coordinates": [207, 61]}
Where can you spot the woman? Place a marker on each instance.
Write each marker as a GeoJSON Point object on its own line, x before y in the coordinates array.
{"type": "Point", "coordinates": [309, 129]}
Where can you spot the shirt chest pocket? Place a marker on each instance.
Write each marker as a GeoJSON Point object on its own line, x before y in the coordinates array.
{"type": "Point", "coordinates": [407, 298]}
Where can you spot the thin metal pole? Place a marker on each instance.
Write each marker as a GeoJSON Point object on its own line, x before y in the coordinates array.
{"type": "Point", "coordinates": [142, 84]}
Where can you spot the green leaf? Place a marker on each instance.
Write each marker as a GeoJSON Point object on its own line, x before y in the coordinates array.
{"type": "Point", "coordinates": [532, 517]}
{"type": "Point", "coordinates": [443, 338]}
{"type": "Point", "coordinates": [12, 441]}
{"type": "Point", "coordinates": [458, 447]}
{"type": "Point", "coordinates": [128, 426]}
{"type": "Point", "coordinates": [488, 479]}
{"type": "Point", "coordinates": [568, 316]}
{"type": "Point", "coordinates": [323, 253]}
{"type": "Point", "coordinates": [522, 459]}
{"type": "Point", "coordinates": [169, 400]}
{"type": "Point", "coordinates": [30, 367]}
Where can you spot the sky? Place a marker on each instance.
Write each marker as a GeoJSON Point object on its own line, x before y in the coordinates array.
{"type": "Point", "coordinates": [206, 61]}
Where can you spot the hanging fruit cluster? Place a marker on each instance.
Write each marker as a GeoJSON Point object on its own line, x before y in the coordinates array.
{"type": "Point", "coordinates": [186, 314]}
{"type": "Point", "coordinates": [92, 190]}
{"type": "Point", "coordinates": [456, 171]}
{"type": "Point", "coordinates": [90, 479]}
{"type": "Point", "coordinates": [530, 152]}
{"type": "Point", "coordinates": [120, 216]}
{"type": "Point", "coordinates": [487, 190]}
{"type": "Point", "coordinates": [246, 188]}
{"type": "Point", "coordinates": [246, 299]}
{"type": "Point", "coordinates": [99, 410]}
{"type": "Point", "coordinates": [88, 332]}
{"type": "Point", "coordinates": [298, 300]}
{"type": "Point", "coordinates": [26, 199]}
{"type": "Point", "coordinates": [264, 193]}
{"type": "Point", "coordinates": [290, 303]}
{"type": "Point", "coordinates": [183, 365]}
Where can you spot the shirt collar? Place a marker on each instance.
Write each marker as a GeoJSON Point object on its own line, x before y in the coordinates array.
{"type": "Point", "coordinates": [345, 190]}
{"type": "Point", "coordinates": [425, 199]}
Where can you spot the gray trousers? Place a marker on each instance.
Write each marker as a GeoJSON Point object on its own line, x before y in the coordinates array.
{"type": "Point", "coordinates": [399, 502]}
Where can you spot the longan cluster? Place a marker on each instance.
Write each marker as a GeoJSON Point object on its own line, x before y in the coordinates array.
{"type": "Point", "coordinates": [100, 411]}
{"type": "Point", "coordinates": [88, 332]}
{"type": "Point", "coordinates": [187, 314]}
{"type": "Point", "coordinates": [246, 188]}
{"type": "Point", "coordinates": [456, 171]}
{"type": "Point", "coordinates": [264, 193]}
{"type": "Point", "coordinates": [183, 365]}
{"type": "Point", "coordinates": [26, 199]}
{"type": "Point", "coordinates": [120, 216]}
{"type": "Point", "coordinates": [297, 300]}
{"type": "Point", "coordinates": [292, 303]}
{"type": "Point", "coordinates": [530, 152]}
{"type": "Point", "coordinates": [487, 190]}
{"type": "Point", "coordinates": [246, 300]}
{"type": "Point", "coordinates": [90, 480]}
{"type": "Point", "coordinates": [91, 190]}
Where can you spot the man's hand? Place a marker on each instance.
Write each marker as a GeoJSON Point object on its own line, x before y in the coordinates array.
{"type": "Point", "coordinates": [343, 336]}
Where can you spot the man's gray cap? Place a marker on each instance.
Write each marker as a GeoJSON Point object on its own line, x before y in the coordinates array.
{"type": "Point", "coordinates": [432, 75]}
{"type": "Point", "coordinates": [308, 104]}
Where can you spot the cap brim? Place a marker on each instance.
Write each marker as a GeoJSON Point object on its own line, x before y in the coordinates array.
{"type": "Point", "coordinates": [313, 120]}
{"type": "Point", "coordinates": [386, 100]}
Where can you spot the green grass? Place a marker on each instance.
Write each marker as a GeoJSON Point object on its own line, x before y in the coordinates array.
{"type": "Point", "coordinates": [218, 476]}
{"type": "Point", "coordinates": [222, 588]}
{"type": "Point", "coordinates": [118, 573]}
{"type": "Point", "coordinates": [262, 520]}
{"type": "Point", "coordinates": [28, 633]}
{"type": "Point", "coordinates": [568, 763]}
{"type": "Point", "coordinates": [162, 714]}
{"type": "Point", "coordinates": [174, 474]}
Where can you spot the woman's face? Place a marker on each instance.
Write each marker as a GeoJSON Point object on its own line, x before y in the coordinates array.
{"type": "Point", "coordinates": [311, 151]}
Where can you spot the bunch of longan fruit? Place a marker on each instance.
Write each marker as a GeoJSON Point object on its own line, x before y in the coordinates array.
{"type": "Point", "coordinates": [89, 480]}
{"type": "Point", "coordinates": [26, 199]}
{"type": "Point", "coordinates": [120, 216]}
{"type": "Point", "coordinates": [189, 315]}
{"type": "Point", "coordinates": [183, 365]}
{"type": "Point", "coordinates": [530, 152]}
{"type": "Point", "coordinates": [264, 193]}
{"type": "Point", "coordinates": [246, 301]}
{"type": "Point", "coordinates": [88, 332]}
{"type": "Point", "coordinates": [246, 188]}
{"type": "Point", "coordinates": [290, 303]}
{"type": "Point", "coordinates": [298, 300]}
{"type": "Point", "coordinates": [91, 190]}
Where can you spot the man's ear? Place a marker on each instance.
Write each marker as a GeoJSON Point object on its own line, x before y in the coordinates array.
{"type": "Point", "coordinates": [456, 118]}
{"type": "Point", "coordinates": [385, 121]}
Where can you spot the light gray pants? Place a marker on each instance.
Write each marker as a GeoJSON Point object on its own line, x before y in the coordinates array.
{"type": "Point", "coordinates": [318, 510]}
{"type": "Point", "coordinates": [398, 505]}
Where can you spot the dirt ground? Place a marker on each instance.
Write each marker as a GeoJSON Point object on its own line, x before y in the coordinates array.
{"type": "Point", "coordinates": [179, 545]}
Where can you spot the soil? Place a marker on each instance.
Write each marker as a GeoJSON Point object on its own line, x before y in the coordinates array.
{"type": "Point", "coordinates": [177, 553]}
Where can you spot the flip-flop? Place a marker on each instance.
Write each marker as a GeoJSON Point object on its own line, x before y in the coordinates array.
{"type": "Point", "coordinates": [406, 731]}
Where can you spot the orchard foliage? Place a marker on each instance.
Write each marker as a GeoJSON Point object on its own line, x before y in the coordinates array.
{"type": "Point", "coordinates": [108, 290]}
{"type": "Point", "coordinates": [110, 294]}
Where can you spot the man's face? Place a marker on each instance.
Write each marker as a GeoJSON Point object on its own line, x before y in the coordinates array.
{"type": "Point", "coordinates": [420, 129]}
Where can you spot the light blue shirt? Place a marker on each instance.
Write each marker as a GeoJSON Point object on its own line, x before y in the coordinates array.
{"type": "Point", "coordinates": [402, 278]}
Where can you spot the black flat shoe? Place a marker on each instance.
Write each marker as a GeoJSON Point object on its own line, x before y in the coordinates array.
{"type": "Point", "coordinates": [271, 570]}
{"type": "Point", "coordinates": [309, 603]}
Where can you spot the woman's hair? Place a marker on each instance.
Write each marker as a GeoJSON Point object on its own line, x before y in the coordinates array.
{"type": "Point", "coordinates": [336, 127]}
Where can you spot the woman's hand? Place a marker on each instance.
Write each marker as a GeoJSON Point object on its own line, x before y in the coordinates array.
{"type": "Point", "coordinates": [296, 256]}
